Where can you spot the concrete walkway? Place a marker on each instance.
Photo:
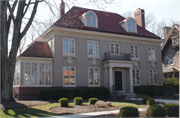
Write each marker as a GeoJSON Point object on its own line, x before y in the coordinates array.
{"type": "Point", "coordinates": [160, 100]}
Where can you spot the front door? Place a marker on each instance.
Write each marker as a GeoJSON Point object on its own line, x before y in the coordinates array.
{"type": "Point", "coordinates": [118, 80]}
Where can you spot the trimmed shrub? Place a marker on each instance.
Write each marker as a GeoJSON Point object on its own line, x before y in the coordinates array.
{"type": "Point", "coordinates": [92, 100]}
{"type": "Point", "coordinates": [172, 109]}
{"type": "Point", "coordinates": [78, 92]}
{"type": "Point", "coordinates": [106, 92]}
{"type": "Point", "coordinates": [63, 102]}
{"type": "Point", "coordinates": [60, 93]}
{"type": "Point", "coordinates": [88, 93]}
{"type": "Point", "coordinates": [46, 94]}
{"type": "Point", "coordinates": [98, 92]}
{"type": "Point", "coordinates": [78, 100]}
{"type": "Point", "coordinates": [129, 112]}
{"type": "Point", "coordinates": [145, 98]}
{"type": "Point", "coordinates": [150, 101]}
{"type": "Point", "coordinates": [156, 111]}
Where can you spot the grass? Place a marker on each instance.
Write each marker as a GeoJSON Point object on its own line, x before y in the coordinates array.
{"type": "Point", "coordinates": [43, 110]}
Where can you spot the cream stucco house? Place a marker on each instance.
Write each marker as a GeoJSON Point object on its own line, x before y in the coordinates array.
{"type": "Point", "coordinates": [90, 48]}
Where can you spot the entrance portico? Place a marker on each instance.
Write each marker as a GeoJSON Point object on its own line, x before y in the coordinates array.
{"type": "Point", "coordinates": [118, 75]}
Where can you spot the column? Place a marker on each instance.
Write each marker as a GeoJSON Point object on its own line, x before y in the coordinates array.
{"type": "Point", "coordinates": [131, 80]}
{"type": "Point", "coordinates": [110, 80]}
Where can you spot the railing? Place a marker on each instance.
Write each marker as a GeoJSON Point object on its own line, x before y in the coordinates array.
{"type": "Point", "coordinates": [120, 56]}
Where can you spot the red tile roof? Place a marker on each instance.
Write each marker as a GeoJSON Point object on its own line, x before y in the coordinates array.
{"type": "Point", "coordinates": [38, 49]}
{"type": "Point", "coordinates": [107, 22]}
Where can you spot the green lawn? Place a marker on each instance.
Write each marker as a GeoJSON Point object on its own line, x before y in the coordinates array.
{"type": "Point", "coordinates": [43, 110]}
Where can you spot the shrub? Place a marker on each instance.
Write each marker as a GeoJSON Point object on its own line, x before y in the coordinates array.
{"type": "Point", "coordinates": [150, 101]}
{"type": "Point", "coordinates": [46, 94]}
{"type": "Point", "coordinates": [78, 92]}
{"type": "Point", "coordinates": [129, 112]}
{"type": "Point", "coordinates": [63, 102]}
{"type": "Point", "coordinates": [88, 93]}
{"type": "Point", "coordinates": [156, 111]}
{"type": "Point", "coordinates": [145, 98]}
{"type": "Point", "coordinates": [98, 92]}
{"type": "Point", "coordinates": [173, 81]}
{"type": "Point", "coordinates": [78, 100]}
{"type": "Point", "coordinates": [172, 109]}
{"type": "Point", "coordinates": [106, 92]}
{"type": "Point", "coordinates": [168, 90]}
{"type": "Point", "coordinates": [92, 100]}
{"type": "Point", "coordinates": [60, 93]}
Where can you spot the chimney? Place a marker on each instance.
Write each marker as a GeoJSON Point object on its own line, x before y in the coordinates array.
{"type": "Point", "coordinates": [62, 8]}
{"type": "Point", "coordinates": [139, 17]}
{"type": "Point", "coordinates": [166, 31]}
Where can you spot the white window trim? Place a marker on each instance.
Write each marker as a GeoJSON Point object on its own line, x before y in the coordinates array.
{"type": "Point", "coordinates": [84, 19]}
{"type": "Point", "coordinates": [169, 64]}
{"type": "Point", "coordinates": [69, 77]}
{"type": "Point", "coordinates": [96, 56]}
{"type": "Point", "coordinates": [153, 77]}
{"type": "Point", "coordinates": [131, 25]}
{"type": "Point", "coordinates": [110, 47]}
{"type": "Point", "coordinates": [135, 76]}
{"type": "Point", "coordinates": [68, 54]}
{"type": "Point", "coordinates": [176, 40]}
{"type": "Point", "coordinates": [93, 76]}
{"type": "Point", "coordinates": [151, 50]}
{"type": "Point", "coordinates": [38, 74]}
{"type": "Point", "coordinates": [133, 52]}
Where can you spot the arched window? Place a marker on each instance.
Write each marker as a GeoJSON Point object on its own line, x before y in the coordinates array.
{"type": "Point", "coordinates": [131, 25]}
{"type": "Point", "coordinates": [91, 19]}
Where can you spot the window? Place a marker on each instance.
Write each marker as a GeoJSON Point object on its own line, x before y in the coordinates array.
{"type": "Point", "coordinates": [27, 74]}
{"type": "Point", "coordinates": [115, 48]}
{"type": "Point", "coordinates": [17, 74]}
{"type": "Point", "coordinates": [91, 19]}
{"type": "Point", "coordinates": [151, 53]}
{"type": "Point", "coordinates": [169, 59]}
{"type": "Point", "coordinates": [48, 74]}
{"type": "Point", "coordinates": [34, 73]}
{"type": "Point", "coordinates": [152, 76]}
{"type": "Point", "coordinates": [45, 73]}
{"type": "Point", "coordinates": [175, 41]}
{"type": "Point", "coordinates": [41, 70]}
{"type": "Point", "coordinates": [136, 76]}
{"type": "Point", "coordinates": [69, 46]}
{"type": "Point", "coordinates": [94, 76]}
{"type": "Point", "coordinates": [69, 76]}
{"type": "Point", "coordinates": [93, 48]}
{"type": "Point", "coordinates": [131, 25]}
{"type": "Point", "coordinates": [134, 51]}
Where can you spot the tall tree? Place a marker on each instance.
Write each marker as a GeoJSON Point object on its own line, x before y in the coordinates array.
{"type": "Point", "coordinates": [12, 15]}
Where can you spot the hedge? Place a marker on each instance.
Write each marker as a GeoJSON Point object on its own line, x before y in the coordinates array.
{"type": "Point", "coordinates": [172, 109]}
{"type": "Point", "coordinates": [129, 112]}
{"type": "Point", "coordinates": [63, 102]}
{"type": "Point", "coordinates": [156, 111]}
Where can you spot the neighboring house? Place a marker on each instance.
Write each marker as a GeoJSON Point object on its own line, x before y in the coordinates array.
{"type": "Point", "coordinates": [90, 48]}
{"type": "Point", "coordinates": [170, 52]}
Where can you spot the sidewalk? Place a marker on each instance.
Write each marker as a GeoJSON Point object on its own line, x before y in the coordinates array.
{"type": "Point", "coordinates": [160, 100]}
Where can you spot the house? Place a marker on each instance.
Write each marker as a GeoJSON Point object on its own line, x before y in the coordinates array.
{"type": "Point", "coordinates": [170, 52]}
{"type": "Point", "coordinates": [90, 48]}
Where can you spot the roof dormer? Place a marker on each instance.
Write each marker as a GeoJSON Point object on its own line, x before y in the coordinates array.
{"type": "Point", "coordinates": [90, 19]}
{"type": "Point", "coordinates": [129, 25]}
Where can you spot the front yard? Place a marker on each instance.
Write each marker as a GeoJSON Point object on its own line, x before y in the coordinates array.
{"type": "Point", "coordinates": [52, 109]}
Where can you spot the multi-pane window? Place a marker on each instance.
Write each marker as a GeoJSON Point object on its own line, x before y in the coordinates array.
{"type": "Point", "coordinates": [151, 53]}
{"type": "Point", "coordinates": [27, 74]}
{"type": "Point", "coordinates": [131, 25]}
{"type": "Point", "coordinates": [69, 75]}
{"type": "Point", "coordinates": [45, 73]}
{"type": "Point", "coordinates": [175, 41]}
{"type": "Point", "coordinates": [152, 76]}
{"type": "Point", "coordinates": [136, 76]}
{"type": "Point", "coordinates": [94, 76]}
{"type": "Point", "coordinates": [34, 73]}
{"type": "Point", "coordinates": [115, 48]}
{"type": "Point", "coordinates": [134, 51]}
{"type": "Point", "coordinates": [48, 74]}
{"type": "Point", "coordinates": [91, 19]}
{"type": "Point", "coordinates": [42, 71]}
{"type": "Point", "coordinates": [17, 74]}
{"type": "Point", "coordinates": [69, 46]}
{"type": "Point", "coordinates": [169, 59]}
{"type": "Point", "coordinates": [93, 48]}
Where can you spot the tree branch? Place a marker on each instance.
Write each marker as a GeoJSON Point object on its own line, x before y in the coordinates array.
{"type": "Point", "coordinates": [30, 20]}
{"type": "Point", "coordinates": [11, 11]}
{"type": "Point", "coordinates": [27, 8]}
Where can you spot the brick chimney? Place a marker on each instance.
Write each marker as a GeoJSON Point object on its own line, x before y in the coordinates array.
{"type": "Point", "coordinates": [62, 8]}
{"type": "Point", "coordinates": [166, 31]}
{"type": "Point", "coordinates": [139, 17]}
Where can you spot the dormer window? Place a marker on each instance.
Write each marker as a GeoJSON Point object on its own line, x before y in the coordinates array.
{"type": "Point", "coordinates": [131, 25]}
{"type": "Point", "coordinates": [90, 19]}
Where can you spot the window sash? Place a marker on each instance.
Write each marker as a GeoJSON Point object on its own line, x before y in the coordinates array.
{"type": "Point", "coordinates": [136, 76]}
{"type": "Point", "coordinates": [94, 76]}
{"type": "Point", "coordinates": [115, 48]}
{"type": "Point", "coordinates": [151, 53]}
{"type": "Point", "coordinates": [134, 51]}
{"type": "Point", "coordinates": [153, 77]}
{"type": "Point", "coordinates": [69, 76]}
{"type": "Point", "coordinates": [69, 46]}
{"type": "Point", "coordinates": [93, 48]}
{"type": "Point", "coordinates": [169, 59]}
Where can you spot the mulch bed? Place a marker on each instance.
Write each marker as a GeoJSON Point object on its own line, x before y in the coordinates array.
{"type": "Point", "coordinates": [76, 109]}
